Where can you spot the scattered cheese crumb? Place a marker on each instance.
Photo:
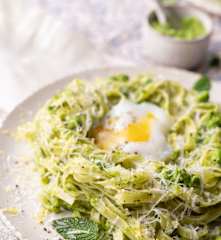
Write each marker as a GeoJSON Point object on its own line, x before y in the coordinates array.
{"type": "Point", "coordinates": [11, 210]}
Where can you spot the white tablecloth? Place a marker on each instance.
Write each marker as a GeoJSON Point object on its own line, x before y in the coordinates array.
{"type": "Point", "coordinates": [41, 41]}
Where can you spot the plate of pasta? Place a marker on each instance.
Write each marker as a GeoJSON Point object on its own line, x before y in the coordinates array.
{"type": "Point", "coordinates": [115, 154]}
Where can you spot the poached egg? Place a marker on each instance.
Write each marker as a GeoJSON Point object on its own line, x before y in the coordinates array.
{"type": "Point", "coordinates": [135, 128]}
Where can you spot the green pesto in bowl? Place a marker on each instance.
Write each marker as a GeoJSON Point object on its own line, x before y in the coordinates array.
{"type": "Point", "coordinates": [190, 28]}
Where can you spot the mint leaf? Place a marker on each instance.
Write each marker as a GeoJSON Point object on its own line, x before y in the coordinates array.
{"type": "Point", "coordinates": [203, 84]}
{"type": "Point", "coordinates": [76, 228]}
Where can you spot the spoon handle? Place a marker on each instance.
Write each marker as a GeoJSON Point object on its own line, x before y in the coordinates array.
{"type": "Point", "coordinates": [160, 11]}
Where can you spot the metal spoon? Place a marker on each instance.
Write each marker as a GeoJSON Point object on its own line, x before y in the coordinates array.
{"type": "Point", "coordinates": [166, 15]}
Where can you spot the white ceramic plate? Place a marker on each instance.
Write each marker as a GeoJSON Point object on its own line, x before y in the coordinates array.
{"type": "Point", "coordinates": [211, 6]}
{"type": "Point", "coordinates": [18, 183]}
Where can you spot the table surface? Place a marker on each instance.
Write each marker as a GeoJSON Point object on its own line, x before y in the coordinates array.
{"type": "Point", "coordinates": [42, 41]}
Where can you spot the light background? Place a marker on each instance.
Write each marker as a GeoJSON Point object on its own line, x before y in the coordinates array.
{"type": "Point", "coordinates": [44, 40]}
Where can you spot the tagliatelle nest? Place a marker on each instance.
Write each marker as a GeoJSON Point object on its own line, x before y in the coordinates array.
{"type": "Point", "coordinates": [126, 195]}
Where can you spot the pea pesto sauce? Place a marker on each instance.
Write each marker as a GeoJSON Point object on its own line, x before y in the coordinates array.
{"type": "Point", "coordinates": [190, 28]}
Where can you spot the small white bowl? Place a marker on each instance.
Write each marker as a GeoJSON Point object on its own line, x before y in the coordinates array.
{"type": "Point", "coordinates": [174, 52]}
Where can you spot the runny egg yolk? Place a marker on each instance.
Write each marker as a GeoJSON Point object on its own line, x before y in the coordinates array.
{"type": "Point", "coordinates": [137, 131]}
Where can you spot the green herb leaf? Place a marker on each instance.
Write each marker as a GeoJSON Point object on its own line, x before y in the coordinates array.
{"type": "Point", "coordinates": [203, 96]}
{"type": "Point", "coordinates": [76, 228]}
{"type": "Point", "coordinates": [203, 84]}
